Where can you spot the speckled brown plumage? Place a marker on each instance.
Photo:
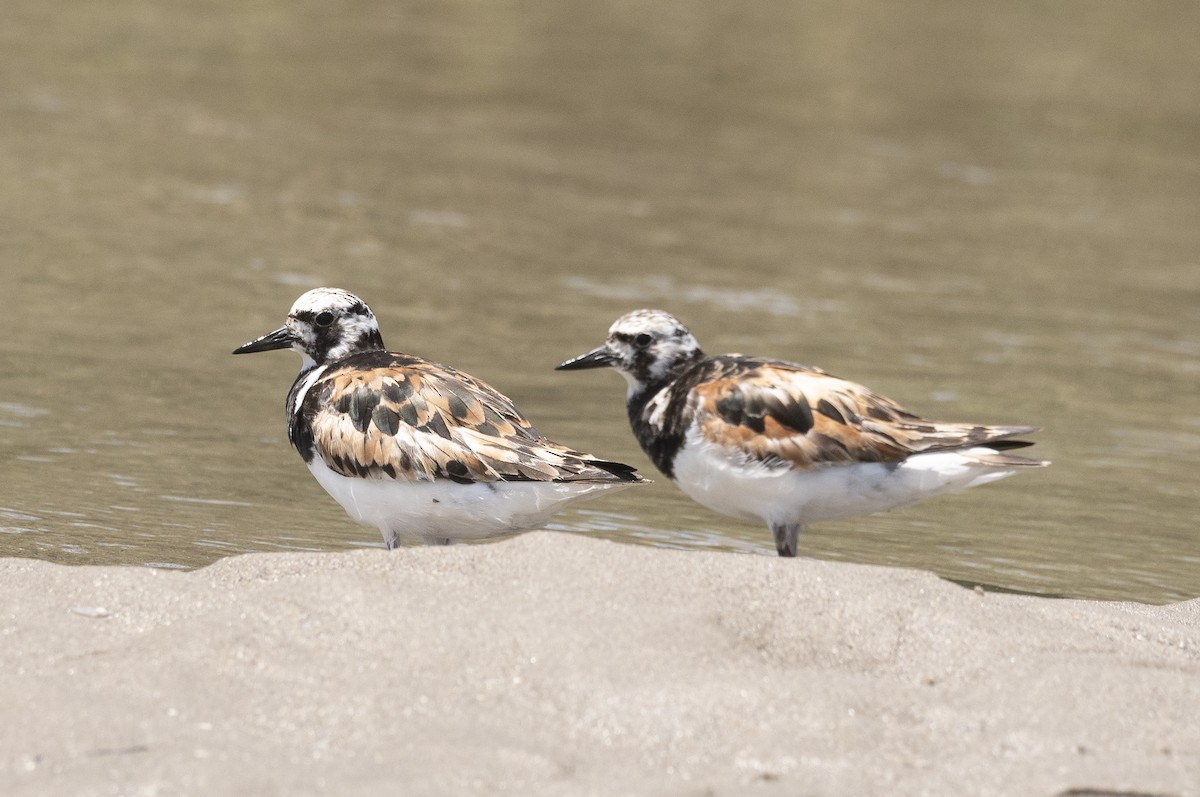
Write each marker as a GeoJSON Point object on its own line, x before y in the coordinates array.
{"type": "Point", "coordinates": [385, 415]}
{"type": "Point", "coordinates": [808, 418]}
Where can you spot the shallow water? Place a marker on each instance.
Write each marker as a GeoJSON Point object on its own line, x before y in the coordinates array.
{"type": "Point", "coordinates": [986, 211]}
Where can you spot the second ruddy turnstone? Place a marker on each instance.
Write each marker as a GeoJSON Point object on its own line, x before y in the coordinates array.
{"type": "Point", "coordinates": [419, 450]}
{"type": "Point", "coordinates": [786, 444]}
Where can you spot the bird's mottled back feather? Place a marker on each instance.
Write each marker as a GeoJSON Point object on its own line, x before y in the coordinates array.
{"type": "Point", "coordinates": [384, 415]}
{"type": "Point", "coordinates": [778, 412]}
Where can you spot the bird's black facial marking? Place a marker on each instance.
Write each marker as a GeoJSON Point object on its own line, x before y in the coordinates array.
{"type": "Point", "coordinates": [623, 337]}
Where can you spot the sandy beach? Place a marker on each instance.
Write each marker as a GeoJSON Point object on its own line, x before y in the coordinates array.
{"type": "Point", "coordinates": [551, 664]}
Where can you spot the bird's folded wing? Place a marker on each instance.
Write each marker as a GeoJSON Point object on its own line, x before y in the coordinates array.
{"type": "Point", "coordinates": [420, 421]}
{"type": "Point", "coordinates": [779, 413]}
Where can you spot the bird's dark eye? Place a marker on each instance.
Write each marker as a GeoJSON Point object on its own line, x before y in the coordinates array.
{"type": "Point", "coordinates": [642, 340]}
{"type": "Point", "coordinates": [324, 319]}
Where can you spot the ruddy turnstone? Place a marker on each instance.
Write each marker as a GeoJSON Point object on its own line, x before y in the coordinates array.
{"type": "Point", "coordinates": [419, 450]}
{"type": "Point", "coordinates": [786, 444]}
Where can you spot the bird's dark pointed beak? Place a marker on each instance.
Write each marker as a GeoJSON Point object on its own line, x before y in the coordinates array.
{"type": "Point", "coordinates": [281, 338]}
{"type": "Point", "coordinates": [598, 357]}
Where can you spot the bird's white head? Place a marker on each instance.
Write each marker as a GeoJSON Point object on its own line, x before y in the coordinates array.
{"type": "Point", "coordinates": [323, 326]}
{"type": "Point", "coordinates": [645, 347]}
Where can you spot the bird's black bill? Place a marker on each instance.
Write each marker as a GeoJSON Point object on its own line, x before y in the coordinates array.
{"type": "Point", "coordinates": [596, 358]}
{"type": "Point", "coordinates": [279, 339]}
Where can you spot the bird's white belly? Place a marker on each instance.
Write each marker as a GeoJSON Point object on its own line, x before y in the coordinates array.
{"type": "Point", "coordinates": [717, 479]}
{"type": "Point", "coordinates": [444, 510]}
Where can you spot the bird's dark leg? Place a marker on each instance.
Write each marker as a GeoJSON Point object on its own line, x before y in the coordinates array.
{"type": "Point", "coordinates": [787, 536]}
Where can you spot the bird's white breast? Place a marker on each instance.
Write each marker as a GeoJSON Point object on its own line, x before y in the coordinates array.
{"type": "Point", "coordinates": [725, 482]}
{"type": "Point", "coordinates": [441, 510]}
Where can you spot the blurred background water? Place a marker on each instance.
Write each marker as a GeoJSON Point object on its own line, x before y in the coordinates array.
{"type": "Point", "coordinates": [988, 211]}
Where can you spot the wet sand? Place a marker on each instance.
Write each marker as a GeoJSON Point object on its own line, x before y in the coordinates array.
{"type": "Point", "coordinates": [551, 664]}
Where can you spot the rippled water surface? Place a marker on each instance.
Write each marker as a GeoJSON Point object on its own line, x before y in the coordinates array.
{"type": "Point", "coordinates": [986, 211]}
